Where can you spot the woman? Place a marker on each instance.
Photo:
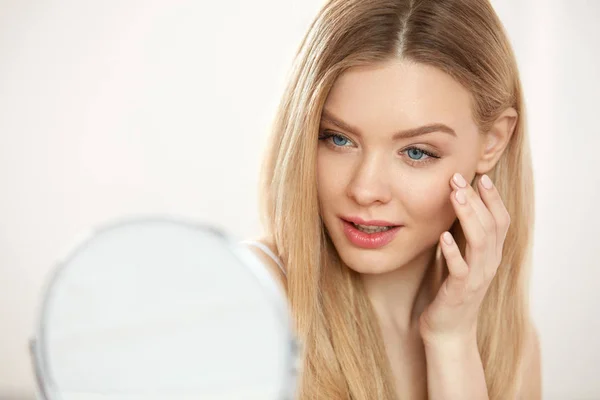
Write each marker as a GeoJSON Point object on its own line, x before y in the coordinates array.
{"type": "Point", "coordinates": [398, 205]}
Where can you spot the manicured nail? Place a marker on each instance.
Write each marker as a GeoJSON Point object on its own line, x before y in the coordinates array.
{"type": "Point", "coordinates": [460, 197]}
{"type": "Point", "coordinates": [447, 237]}
{"type": "Point", "coordinates": [486, 182]}
{"type": "Point", "coordinates": [459, 180]}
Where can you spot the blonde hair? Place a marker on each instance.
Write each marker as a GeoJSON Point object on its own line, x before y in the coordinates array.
{"type": "Point", "coordinates": [344, 354]}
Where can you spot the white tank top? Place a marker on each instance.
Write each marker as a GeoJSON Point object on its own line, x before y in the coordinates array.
{"type": "Point", "coordinates": [267, 251]}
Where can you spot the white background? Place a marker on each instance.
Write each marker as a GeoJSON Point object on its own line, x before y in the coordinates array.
{"type": "Point", "coordinates": [111, 108]}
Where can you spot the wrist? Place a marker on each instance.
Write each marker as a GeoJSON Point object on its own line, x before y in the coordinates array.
{"type": "Point", "coordinates": [455, 353]}
{"type": "Point", "coordinates": [456, 342]}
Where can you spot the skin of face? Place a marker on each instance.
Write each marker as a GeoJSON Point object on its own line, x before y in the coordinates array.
{"type": "Point", "coordinates": [362, 171]}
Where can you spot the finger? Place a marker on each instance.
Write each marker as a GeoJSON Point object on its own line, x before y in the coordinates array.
{"type": "Point", "coordinates": [457, 266]}
{"type": "Point", "coordinates": [457, 280]}
{"type": "Point", "coordinates": [477, 240]}
{"type": "Point", "coordinates": [481, 210]}
{"type": "Point", "coordinates": [491, 197]}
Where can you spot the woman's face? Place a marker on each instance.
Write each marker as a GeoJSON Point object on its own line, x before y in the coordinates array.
{"type": "Point", "coordinates": [371, 168]}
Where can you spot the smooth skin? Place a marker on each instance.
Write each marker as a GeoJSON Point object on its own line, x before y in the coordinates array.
{"type": "Point", "coordinates": [373, 163]}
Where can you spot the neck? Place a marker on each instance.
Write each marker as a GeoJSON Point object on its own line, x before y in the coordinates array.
{"type": "Point", "coordinates": [400, 296]}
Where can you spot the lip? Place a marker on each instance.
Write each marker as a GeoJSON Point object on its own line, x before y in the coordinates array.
{"type": "Point", "coordinates": [360, 221]}
{"type": "Point", "coordinates": [369, 240]}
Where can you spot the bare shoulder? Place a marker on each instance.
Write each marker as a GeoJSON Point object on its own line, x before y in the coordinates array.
{"type": "Point", "coordinates": [266, 259]}
{"type": "Point", "coordinates": [531, 380]}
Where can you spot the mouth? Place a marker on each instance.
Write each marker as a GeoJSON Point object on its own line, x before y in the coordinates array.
{"type": "Point", "coordinates": [372, 228]}
{"type": "Point", "coordinates": [369, 224]}
{"type": "Point", "coordinates": [369, 234]}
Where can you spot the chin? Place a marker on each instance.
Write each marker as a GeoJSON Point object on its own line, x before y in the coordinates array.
{"type": "Point", "coordinates": [372, 270]}
{"type": "Point", "coordinates": [369, 261]}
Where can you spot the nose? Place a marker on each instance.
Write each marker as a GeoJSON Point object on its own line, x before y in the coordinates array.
{"type": "Point", "coordinates": [370, 182]}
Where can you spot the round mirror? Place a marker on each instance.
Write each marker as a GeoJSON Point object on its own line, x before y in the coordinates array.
{"type": "Point", "coordinates": [156, 308]}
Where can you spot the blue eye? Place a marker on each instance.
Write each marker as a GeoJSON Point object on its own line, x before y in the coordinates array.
{"type": "Point", "coordinates": [335, 139]}
{"type": "Point", "coordinates": [339, 140]}
{"type": "Point", "coordinates": [416, 154]}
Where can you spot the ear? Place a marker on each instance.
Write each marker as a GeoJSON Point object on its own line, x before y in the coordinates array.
{"type": "Point", "coordinates": [496, 140]}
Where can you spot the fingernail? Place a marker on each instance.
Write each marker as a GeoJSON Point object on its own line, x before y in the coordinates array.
{"type": "Point", "coordinates": [486, 182]}
{"type": "Point", "coordinates": [459, 180]}
{"type": "Point", "coordinates": [447, 237]}
{"type": "Point", "coordinates": [460, 197]}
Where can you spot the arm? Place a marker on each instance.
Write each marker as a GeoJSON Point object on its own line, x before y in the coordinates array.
{"type": "Point", "coordinates": [448, 325]}
{"type": "Point", "coordinates": [531, 384]}
{"type": "Point", "coordinates": [455, 371]}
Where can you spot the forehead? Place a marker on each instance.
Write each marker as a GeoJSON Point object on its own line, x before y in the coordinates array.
{"type": "Point", "coordinates": [399, 95]}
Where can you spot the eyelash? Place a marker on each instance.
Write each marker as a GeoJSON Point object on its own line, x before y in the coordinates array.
{"type": "Point", "coordinates": [431, 156]}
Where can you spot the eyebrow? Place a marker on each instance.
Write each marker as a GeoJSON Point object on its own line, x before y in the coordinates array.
{"type": "Point", "coordinates": [327, 116]}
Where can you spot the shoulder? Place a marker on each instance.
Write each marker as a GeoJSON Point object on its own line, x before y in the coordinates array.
{"type": "Point", "coordinates": [531, 377]}
{"type": "Point", "coordinates": [272, 265]}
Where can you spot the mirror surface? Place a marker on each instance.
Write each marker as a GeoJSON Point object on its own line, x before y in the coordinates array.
{"type": "Point", "coordinates": [163, 309]}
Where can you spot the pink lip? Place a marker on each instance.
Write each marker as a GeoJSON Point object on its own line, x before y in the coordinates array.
{"type": "Point", "coordinates": [369, 240]}
{"type": "Point", "coordinates": [360, 221]}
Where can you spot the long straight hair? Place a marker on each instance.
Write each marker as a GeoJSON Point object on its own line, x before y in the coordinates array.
{"type": "Point", "coordinates": [344, 355]}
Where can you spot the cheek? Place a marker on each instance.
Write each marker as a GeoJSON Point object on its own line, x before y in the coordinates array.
{"type": "Point", "coordinates": [427, 201]}
{"type": "Point", "coordinates": [332, 177]}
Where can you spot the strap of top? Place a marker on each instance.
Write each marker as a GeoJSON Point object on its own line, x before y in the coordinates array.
{"type": "Point", "coordinates": [267, 251]}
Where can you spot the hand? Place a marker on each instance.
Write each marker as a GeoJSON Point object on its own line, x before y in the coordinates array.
{"type": "Point", "coordinates": [453, 313]}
